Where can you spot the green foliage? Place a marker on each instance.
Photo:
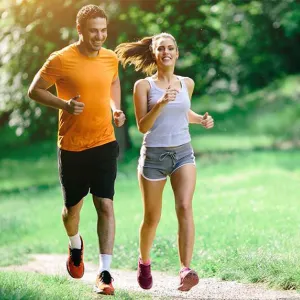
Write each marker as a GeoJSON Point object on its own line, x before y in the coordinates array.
{"type": "Point", "coordinates": [232, 47]}
{"type": "Point", "coordinates": [272, 112]}
{"type": "Point", "coordinates": [30, 31]}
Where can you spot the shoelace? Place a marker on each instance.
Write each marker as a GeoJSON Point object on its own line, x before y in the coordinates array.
{"type": "Point", "coordinates": [76, 256]}
{"type": "Point", "coordinates": [171, 154]}
{"type": "Point", "coordinates": [105, 277]}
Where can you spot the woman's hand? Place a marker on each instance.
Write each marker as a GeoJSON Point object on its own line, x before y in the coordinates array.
{"type": "Point", "coordinates": [207, 121]}
{"type": "Point", "coordinates": [170, 95]}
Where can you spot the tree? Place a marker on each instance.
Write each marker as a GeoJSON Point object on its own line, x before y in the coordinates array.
{"type": "Point", "coordinates": [231, 46]}
{"type": "Point", "coordinates": [31, 30]}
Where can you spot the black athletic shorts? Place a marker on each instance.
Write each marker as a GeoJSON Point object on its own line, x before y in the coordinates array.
{"type": "Point", "coordinates": [93, 170]}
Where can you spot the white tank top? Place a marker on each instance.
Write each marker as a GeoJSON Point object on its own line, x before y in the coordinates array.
{"type": "Point", "coordinates": [171, 127]}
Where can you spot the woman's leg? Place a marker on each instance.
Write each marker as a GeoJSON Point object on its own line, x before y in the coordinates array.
{"type": "Point", "coordinates": [183, 182]}
{"type": "Point", "coordinates": [152, 202]}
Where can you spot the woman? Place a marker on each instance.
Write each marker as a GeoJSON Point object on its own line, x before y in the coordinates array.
{"type": "Point", "coordinates": [162, 110]}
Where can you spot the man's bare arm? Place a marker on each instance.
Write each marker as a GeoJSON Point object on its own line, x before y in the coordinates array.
{"type": "Point", "coordinates": [115, 95]}
{"type": "Point", "coordinates": [115, 103]}
{"type": "Point", "coordinates": [38, 91]}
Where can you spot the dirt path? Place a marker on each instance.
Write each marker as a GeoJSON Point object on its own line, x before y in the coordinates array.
{"type": "Point", "coordinates": [164, 285]}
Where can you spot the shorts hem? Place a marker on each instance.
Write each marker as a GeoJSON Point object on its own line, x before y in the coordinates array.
{"type": "Point", "coordinates": [110, 198]}
{"type": "Point", "coordinates": [149, 179]}
{"type": "Point", "coordinates": [73, 203]}
{"type": "Point", "coordinates": [191, 163]}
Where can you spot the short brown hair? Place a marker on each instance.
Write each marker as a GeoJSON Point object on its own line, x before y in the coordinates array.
{"type": "Point", "coordinates": [89, 12]}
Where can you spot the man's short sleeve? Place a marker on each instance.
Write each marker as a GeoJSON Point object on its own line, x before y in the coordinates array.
{"type": "Point", "coordinates": [51, 71]}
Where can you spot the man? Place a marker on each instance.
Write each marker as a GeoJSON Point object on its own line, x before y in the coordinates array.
{"type": "Point", "coordinates": [88, 96]}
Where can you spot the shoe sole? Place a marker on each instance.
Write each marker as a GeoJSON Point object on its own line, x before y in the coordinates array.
{"type": "Point", "coordinates": [103, 292]}
{"type": "Point", "coordinates": [191, 279]}
{"type": "Point", "coordinates": [148, 287]}
{"type": "Point", "coordinates": [71, 274]}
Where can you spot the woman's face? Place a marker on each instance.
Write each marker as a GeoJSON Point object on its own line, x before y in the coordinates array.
{"type": "Point", "coordinates": [165, 52]}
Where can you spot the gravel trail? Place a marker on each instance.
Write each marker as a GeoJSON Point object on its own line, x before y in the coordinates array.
{"type": "Point", "coordinates": [164, 286]}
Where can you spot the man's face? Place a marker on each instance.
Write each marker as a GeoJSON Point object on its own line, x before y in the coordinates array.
{"type": "Point", "coordinates": [94, 33]}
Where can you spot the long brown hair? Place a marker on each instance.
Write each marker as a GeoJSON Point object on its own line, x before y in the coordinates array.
{"type": "Point", "coordinates": [140, 54]}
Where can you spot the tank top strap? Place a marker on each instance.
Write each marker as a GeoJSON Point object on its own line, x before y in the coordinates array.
{"type": "Point", "coordinates": [181, 78]}
{"type": "Point", "coordinates": [150, 80]}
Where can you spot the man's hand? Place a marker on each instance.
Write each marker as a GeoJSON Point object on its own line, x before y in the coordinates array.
{"type": "Point", "coordinates": [75, 107]}
{"type": "Point", "coordinates": [119, 117]}
{"type": "Point", "coordinates": [207, 121]}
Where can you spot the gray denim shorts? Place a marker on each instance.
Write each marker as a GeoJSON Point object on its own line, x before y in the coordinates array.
{"type": "Point", "coordinates": [156, 163]}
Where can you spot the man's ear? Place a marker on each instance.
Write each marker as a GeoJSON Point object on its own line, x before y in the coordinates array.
{"type": "Point", "coordinates": [78, 29]}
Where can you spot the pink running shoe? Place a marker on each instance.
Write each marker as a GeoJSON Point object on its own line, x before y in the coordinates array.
{"type": "Point", "coordinates": [188, 279]}
{"type": "Point", "coordinates": [144, 276]}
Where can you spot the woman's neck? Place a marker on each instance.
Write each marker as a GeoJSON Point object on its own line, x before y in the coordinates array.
{"type": "Point", "coordinates": [164, 76]}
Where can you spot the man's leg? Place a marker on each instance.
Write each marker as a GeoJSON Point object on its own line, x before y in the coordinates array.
{"type": "Point", "coordinates": [71, 217]}
{"type": "Point", "coordinates": [106, 238]}
{"type": "Point", "coordinates": [75, 187]}
{"type": "Point", "coordinates": [103, 172]}
{"type": "Point", "coordinates": [105, 224]}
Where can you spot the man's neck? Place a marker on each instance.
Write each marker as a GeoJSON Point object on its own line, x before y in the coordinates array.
{"type": "Point", "coordinates": [84, 51]}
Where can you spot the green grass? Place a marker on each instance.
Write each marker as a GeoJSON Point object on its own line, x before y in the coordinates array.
{"type": "Point", "coordinates": [245, 206]}
{"type": "Point", "coordinates": [216, 142]}
{"type": "Point", "coordinates": [272, 111]}
{"type": "Point", "coordinates": [17, 286]}
{"type": "Point", "coordinates": [29, 167]}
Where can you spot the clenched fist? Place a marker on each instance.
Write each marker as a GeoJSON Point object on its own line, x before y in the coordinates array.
{"type": "Point", "coordinates": [207, 121]}
{"type": "Point", "coordinates": [75, 107]}
{"type": "Point", "coordinates": [170, 95]}
{"type": "Point", "coordinates": [119, 117]}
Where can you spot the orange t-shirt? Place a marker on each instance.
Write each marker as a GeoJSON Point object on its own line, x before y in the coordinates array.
{"type": "Point", "coordinates": [90, 77]}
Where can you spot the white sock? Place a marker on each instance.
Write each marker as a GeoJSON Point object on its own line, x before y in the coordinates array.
{"type": "Point", "coordinates": [75, 241]}
{"type": "Point", "coordinates": [104, 262]}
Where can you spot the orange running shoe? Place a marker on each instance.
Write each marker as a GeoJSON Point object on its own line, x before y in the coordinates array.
{"type": "Point", "coordinates": [188, 279]}
{"type": "Point", "coordinates": [103, 284]}
{"type": "Point", "coordinates": [75, 265]}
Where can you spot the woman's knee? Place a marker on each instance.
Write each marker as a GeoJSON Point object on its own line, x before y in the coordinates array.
{"type": "Point", "coordinates": [151, 220]}
{"type": "Point", "coordinates": [184, 210]}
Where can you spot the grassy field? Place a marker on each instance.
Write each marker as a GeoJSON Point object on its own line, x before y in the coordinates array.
{"type": "Point", "coordinates": [246, 213]}
{"type": "Point", "coordinates": [17, 286]}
